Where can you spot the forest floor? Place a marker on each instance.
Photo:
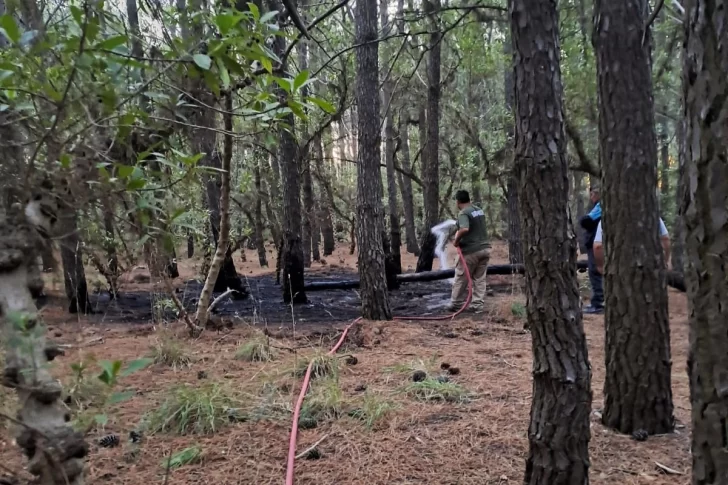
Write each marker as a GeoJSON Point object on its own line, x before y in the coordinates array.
{"type": "Point", "coordinates": [377, 426]}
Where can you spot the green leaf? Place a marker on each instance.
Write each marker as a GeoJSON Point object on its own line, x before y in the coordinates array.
{"type": "Point", "coordinates": [268, 16]}
{"type": "Point", "coordinates": [112, 43]}
{"type": "Point", "coordinates": [77, 14]}
{"type": "Point", "coordinates": [301, 78]}
{"type": "Point", "coordinates": [211, 82]}
{"type": "Point", "coordinates": [254, 10]}
{"type": "Point", "coordinates": [226, 21]}
{"type": "Point", "coordinates": [224, 74]}
{"type": "Point", "coordinates": [65, 160]}
{"type": "Point", "coordinates": [136, 365]}
{"type": "Point", "coordinates": [297, 109]}
{"type": "Point", "coordinates": [124, 171]}
{"type": "Point", "coordinates": [323, 104]}
{"type": "Point", "coordinates": [285, 83]}
{"type": "Point", "coordinates": [136, 184]}
{"type": "Point", "coordinates": [101, 419]}
{"type": "Point", "coordinates": [10, 28]}
{"type": "Point", "coordinates": [203, 61]}
{"type": "Point", "coordinates": [267, 65]}
{"type": "Point", "coordinates": [119, 397]}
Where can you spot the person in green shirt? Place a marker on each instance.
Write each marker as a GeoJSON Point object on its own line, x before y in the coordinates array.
{"type": "Point", "coordinates": [472, 239]}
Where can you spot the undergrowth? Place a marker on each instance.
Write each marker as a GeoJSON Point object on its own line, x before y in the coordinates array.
{"type": "Point", "coordinates": [428, 366]}
{"type": "Point", "coordinates": [434, 390]}
{"type": "Point", "coordinates": [188, 456]}
{"type": "Point", "coordinates": [518, 309]}
{"type": "Point", "coordinates": [373, 409]}
{"type": "Point", "coordinates": [257, 349]}
{"type": "Point", "coordinates": [323, 366]}
{"type": "Point", "coordinates": [194, 410]}
{"type": "Point", "coordinates": [170, 352]}
{"type": "Point", "coordinates": [324, 402]}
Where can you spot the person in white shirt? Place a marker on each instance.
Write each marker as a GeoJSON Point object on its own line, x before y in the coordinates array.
{"type": "Point", "coordinates": [599, 247]}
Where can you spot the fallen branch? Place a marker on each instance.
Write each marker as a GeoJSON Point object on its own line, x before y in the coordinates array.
{"type": "Point", "coordinates": [219, 299]}
{"type": "Point", "coordinates": [305, 452]}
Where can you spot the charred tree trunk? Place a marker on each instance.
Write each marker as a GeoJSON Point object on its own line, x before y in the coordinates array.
{"type": "Point", "coordinates": [405, 187]}
{"type": "Point", "coordinates": [369, 210]}
{"type": "Point", "coordinates": [706, 109]}
{"type": "Point", "coordinates": [431, 156]}
{"type": "Point", "coordinates": [637, 393]}
{"type": "Point", "coordinates": [664, 162]}
{"type": "Point", "coordinates": [292, 264]}
{"type": "Point", "coordinates": [559, 431]}
{"type": "Point", "coordinates": [258, 216]}
{"type": "Point", "coordinates": [74, 276]}
{"type": "Point", "coordinates": [325, 202]}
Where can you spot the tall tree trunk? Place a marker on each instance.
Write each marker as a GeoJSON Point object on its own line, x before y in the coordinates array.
{"type": "Point", "coordinates": [405, 187]}
{"type": "Point", "coordinates": [56, 452]}
{"type": "Point", "coordinates": [704, 100]}
{"type": "Point", "coordinates": [664, 161]}
{"type": "Point", "coordinates": [394, 244]}
{"type": "Point", "coordinates": [223, 251]}
{"type": "Point", "coordinates": [637, 393]}
{"type": "Point", "coordinates": [309, 213]}
{"type": "Point", "coordinates": [580, 207]}
{"type": "Point", "coordinates": [74, 276]}
{"type": "Point", "coordinates": [515, 249]}
{"type": "Point", "coordinates": [258, 226]}
{"type": "Point", "coordinates": [325, 202]}
{"type": "Point", "coordinates": [559, 432]}
{"type": "Point", "coordinates": [369, 210]}
{"type": "Point", "coordinates": [431, 162]}
{"type": "Point", "coordinates": [292, 264]}
{"type": "Point", "coordinates": [681, 197]}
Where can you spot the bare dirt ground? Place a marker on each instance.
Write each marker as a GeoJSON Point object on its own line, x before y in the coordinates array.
{"type": "Point", "coordinates": [479, 439]}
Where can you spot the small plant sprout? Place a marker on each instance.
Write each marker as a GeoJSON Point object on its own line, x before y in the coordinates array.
{"type": "Point", "coordinates": [257, 349]}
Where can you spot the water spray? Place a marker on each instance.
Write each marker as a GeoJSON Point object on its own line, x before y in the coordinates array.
{"type": "Point", "coordinates": [442, 232]}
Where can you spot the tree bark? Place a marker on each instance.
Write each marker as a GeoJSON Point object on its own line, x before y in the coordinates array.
{"type": "Point", "coordinates": [405, 187]}
{"type": "Point", "coordinates": [223, 251]}
{"type": "Point", "coordinates": [515, 249]}
{"type": "Point", "coordinates": [74, 276]}
{"type": "Point", "coordinates": [431, 156]}
{"type": "Point", "coordinates": [309, 213]}
{"type": "Point", "coordinates": [369, 210]}
{"type": "Point", "coordinates": [56, 452]}
{"type": "Point", "coordinates": [394, 243]}
{"type": "Point", "coordinates": [705, 64]}
{"type": "Point", "coordinates": [580, 207]}
{"type": "Point", "coordinates": [559, 431]}
{"type": "Point", "coordinates": [637, 393]}
{"type": "Point", "coordinates": [258, 226]}
{"type": "Point", "coordinates": [292, 264]}
{"type": "Point", "coordinates": [664, 161]}
{"type": "Point", "coordinates": [678, 233]}
{"type": "Point", "coordinates": [325, 202]}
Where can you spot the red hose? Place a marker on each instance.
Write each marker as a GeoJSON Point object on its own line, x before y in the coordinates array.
{"type": "Point", "coordinates": [307, 377]}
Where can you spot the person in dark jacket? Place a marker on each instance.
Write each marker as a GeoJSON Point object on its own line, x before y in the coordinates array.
{"type": "Point", "coordinates": [590, 222]}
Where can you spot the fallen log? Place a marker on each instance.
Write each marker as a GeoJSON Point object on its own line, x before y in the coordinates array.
{"type": "Point", "coordinates": [424, 276]}
{"type": "Point", "coordinates": [674, 278]}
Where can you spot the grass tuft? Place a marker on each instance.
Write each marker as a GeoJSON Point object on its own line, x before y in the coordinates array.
{"type": "Point", "coordinates": [434, 390]}
{"type": "Point", "coordinates": [188, 456]}
{"type": "Point", "coordinates": [428, 366]}
{"type": "Point", "coordinates": [194, 410]}
{"type": "Point", "coordinates": [324, 366]}
{"type": "Point", "coordinates": [518, 309]}
{"type": "Point", "coordinates": [372, 410]}
{"type": "Point", "coordinates": [170, 352]}
{"type": "Point", "coordinates": [324, 402]}
{"type": "Point", "coordinates": [257, 349]}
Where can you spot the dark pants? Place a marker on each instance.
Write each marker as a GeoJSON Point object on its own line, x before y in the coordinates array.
{"type": "Point", "coordinates": [597, 298]}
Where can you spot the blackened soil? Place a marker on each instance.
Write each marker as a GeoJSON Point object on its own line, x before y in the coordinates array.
{"type": "Point", "coordinates": [265, 303]}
